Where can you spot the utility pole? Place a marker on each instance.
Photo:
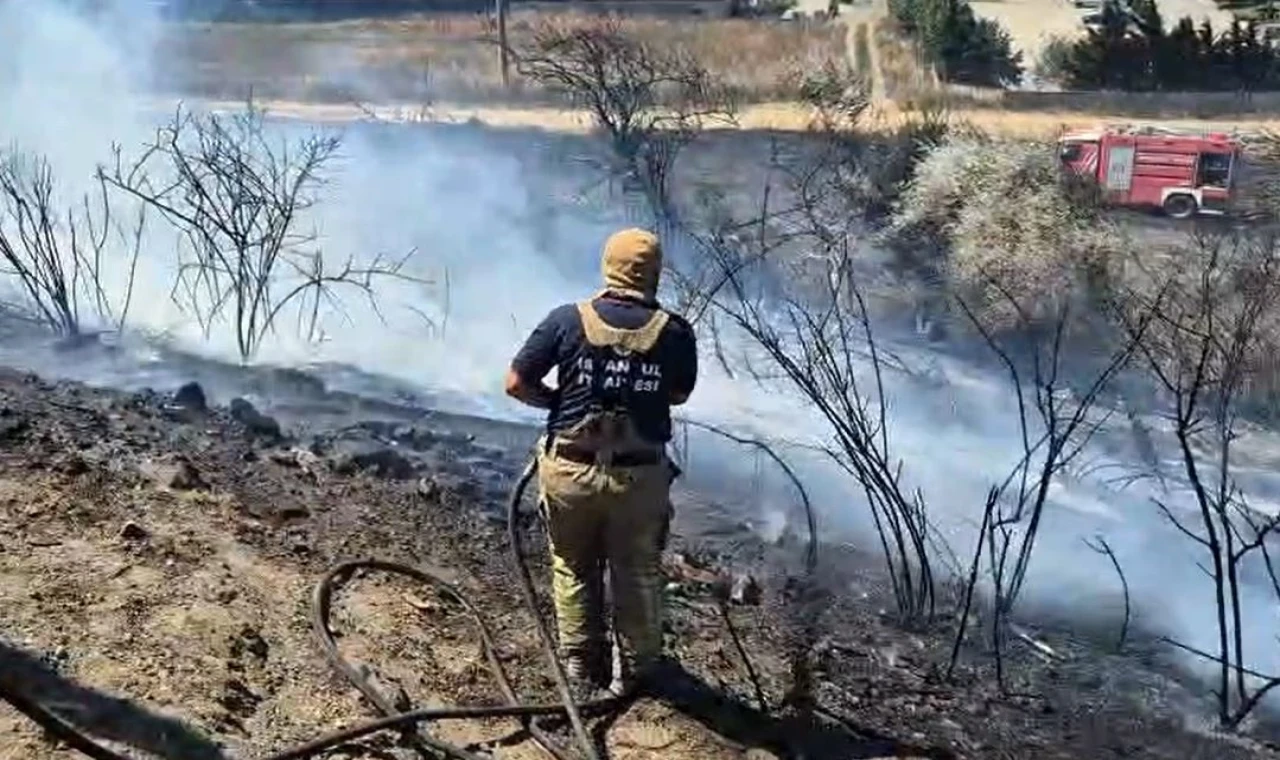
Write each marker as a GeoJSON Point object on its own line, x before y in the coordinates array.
{"type": "Point", "coordinates": [503, 55]}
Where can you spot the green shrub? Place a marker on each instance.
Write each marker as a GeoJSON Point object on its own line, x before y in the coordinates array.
{"type": "Point", "coordinates": [962, 47]}
{"type": "Point", "coordinates": [999, 217]}
{"type": "Point", "coordinates": [1055, 61]}
{"type": "Point", "coordinates": [1133, 50]}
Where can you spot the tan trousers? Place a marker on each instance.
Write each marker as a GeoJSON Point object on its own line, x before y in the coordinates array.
{"type": "Point", "coordinates": [618, 516]}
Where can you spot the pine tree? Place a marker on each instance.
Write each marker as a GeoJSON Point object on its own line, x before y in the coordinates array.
{"type": "Point", "coordinates": [962, 47]}
{"type": "Point", "coordinates": [1182, 62]}
{"type": "Point", "coordinates": [1130, 50]}
{"type": "Point", "coordinates": [1101, 59]}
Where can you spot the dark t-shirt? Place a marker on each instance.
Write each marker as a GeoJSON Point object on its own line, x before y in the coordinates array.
{"type": "Point", "coordinates": [559, 341]}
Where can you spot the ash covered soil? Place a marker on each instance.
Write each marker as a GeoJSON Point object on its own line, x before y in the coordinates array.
{"type": "Point", "coordinates": [157, 560]}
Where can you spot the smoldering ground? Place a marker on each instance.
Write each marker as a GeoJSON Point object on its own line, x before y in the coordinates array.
{"type": "Point", "coordinates": [505, 226]}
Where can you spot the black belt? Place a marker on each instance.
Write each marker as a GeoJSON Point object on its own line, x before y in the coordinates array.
{"type": "Point", "coordinates": [619, 459]}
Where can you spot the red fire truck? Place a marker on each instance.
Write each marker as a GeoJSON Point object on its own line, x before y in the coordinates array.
{"type": "Point", "coordinates": [1149, 168]}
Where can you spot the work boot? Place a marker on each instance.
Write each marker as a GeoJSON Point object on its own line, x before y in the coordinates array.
{"type": "Point", "coordinates": [631, 675]}
{"type": "Point", "coordinates": [583, 678]}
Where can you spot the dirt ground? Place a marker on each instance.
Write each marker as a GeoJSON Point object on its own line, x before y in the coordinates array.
{"type": "Point", "coordinates": [156, 576]}
{"type": "Point", "coordinates": [157, 562]}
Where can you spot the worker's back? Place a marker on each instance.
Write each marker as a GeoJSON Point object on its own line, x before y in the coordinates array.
{"type": "Point", "coordinates": [641, 382]}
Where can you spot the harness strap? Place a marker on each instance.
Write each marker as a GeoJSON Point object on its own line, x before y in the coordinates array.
{"type": "Point", "coordinates": [608, 430]}
{"type": "Point", "coordinates": [601, 333]}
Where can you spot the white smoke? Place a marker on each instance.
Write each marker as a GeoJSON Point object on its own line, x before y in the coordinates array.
{"type": "Point", "coordinates": [500, 255]}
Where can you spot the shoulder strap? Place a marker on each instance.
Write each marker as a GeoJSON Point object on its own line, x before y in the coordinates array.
{"type": "Point", "coordinates": [601, 333]}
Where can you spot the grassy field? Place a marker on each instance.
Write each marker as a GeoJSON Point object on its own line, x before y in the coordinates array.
{"type": "Point", "coordinates": [449, 56]}
{"type": "Point", "coordinates": [444, 66]}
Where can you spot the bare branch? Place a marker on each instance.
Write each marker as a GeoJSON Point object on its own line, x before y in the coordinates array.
{"type": "Point", "coordinates": [649, 103]}
{"type": "Point", "coordinates": [1205, 348]}
{"type": "Point", "coordinates": [1101, 546]}
{"type": "Point", "coordinates": [811, 553]}
{"type": "Point", "coordinates": [55, 253]}
{"type": "Point", "coordinates": [239, 198]}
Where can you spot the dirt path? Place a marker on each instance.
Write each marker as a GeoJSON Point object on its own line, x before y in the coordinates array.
{"type": "Point", "coordinates": [861, 18]}
{"type": "Point", "coordinates": [789, 117]}
{"type": "Point", "coordinates": [864, 14]}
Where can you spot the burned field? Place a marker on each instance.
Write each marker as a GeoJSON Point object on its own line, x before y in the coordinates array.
{"type": "Point", "coordinates": [158, 557]}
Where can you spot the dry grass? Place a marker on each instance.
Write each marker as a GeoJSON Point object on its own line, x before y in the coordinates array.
{"type": "Point", "coordinates": [449, 56]}
{"type": "Point", "coordinates": [1040, 125]}
{"type": "Point", "coordinates": [903, 72]}
{"type": "Point", "coordinates": [446, 60]}
{"type": "Point", "coordinates": [787, 117]}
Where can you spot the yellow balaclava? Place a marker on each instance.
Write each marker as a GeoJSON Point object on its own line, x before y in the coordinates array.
{"type": "Point", "coordinates": [632, 263]}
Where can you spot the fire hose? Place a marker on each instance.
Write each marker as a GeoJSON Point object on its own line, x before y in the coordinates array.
{"type": "Point", "coordinates": [394, 719]}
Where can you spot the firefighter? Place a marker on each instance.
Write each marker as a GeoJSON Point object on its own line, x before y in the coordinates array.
{"type": "Point", "coordinates": [622, 362]}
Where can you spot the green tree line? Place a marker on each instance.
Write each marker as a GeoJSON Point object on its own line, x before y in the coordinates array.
{"type": "Point", "coordinates": [1131, 49]}
{"type": "Point", "coordinates": [962, 47]}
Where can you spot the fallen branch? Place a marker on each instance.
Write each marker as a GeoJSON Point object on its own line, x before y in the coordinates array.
{"type": "Point", "coordinates": [752, 675]}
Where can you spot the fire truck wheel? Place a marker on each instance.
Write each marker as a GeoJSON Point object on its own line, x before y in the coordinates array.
{"type": "Point", "coordinates": [1180, 206]}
